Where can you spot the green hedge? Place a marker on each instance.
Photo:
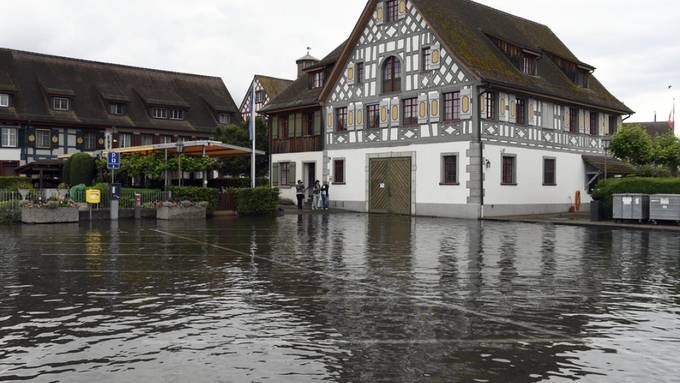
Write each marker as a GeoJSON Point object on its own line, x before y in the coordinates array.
{"type": "Point", "coordinates": [81, 169]}
{"type": "Point", "coordinates": [10, 212]}
{"type": "Point", "coordinates": [258, 201]}
{"type": "Point", "coordinates": [196, 194]}
{"type": "Point", "coordinates": [15, 183]}
{"type": "Point", "coordinates": [604, 190]}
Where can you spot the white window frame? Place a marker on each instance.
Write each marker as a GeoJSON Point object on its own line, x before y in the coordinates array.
{"type": "Point", "coordinates": [117, 108]}
{"type": "Point", "coordinates": [9, 138]}
{"type": "Point", "coordinates": [61, 104]}
{"type": "Point", "coordinates": [176, 114]}
{"type": "Point", "coordinates": [125, 140]}
{"type": "Point", "coordinates": [166, 139]}
{"type": "Point", "coordinates": [90, 141]}
{"type": "Point", "coordinates": [159, 113]}
{"type": "Point", "coordinates": [224, 118]}
{"type": "Point", "coordinates": [4, 100]}
{"type": "Point", "coordinates": [42, 133]}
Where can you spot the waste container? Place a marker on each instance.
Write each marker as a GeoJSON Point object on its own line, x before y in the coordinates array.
{"type": "Point", "coordinates": [630, 206]}
{"type": "Point", "coordinates": [664, 207]}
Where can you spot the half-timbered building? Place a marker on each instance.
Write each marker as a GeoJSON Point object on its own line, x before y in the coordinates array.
{"type": "Point", "coordinates": [266, 88]}
{"type": "Point", "coordinates": [50, 106]}
{"type": "Point", "coordinates": [296, 125]}
{"type": "Point", "coordinates": [453, 108]}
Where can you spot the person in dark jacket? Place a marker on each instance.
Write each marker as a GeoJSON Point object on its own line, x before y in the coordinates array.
{"type": "Point", "coordinates": [324, 194]}
{"type": "Point", "coordinates": [300, 193]}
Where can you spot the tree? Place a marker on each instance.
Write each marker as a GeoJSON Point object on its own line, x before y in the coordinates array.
{"type": "Point", "coordinates": [667, 151]}
{"type": "Point", "coordinates": [632, 144]}
{"type": "Point", "coordinates": [237, 134]}
{"type": "Point", "coordinates": [81, 169]}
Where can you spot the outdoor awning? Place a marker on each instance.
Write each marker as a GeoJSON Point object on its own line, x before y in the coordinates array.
{"type": "Point", "coordinates": [596, 164]}
{"type": "Point", "coordinates": [44, 166]}
{"type": "Point", "coordinates": [190, 148]}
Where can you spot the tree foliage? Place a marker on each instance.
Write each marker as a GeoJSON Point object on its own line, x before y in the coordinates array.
{"type": "Point", "coordinates": [81, 169]}
{"type": "Point", "coordinates": [237, 134]}
{"type": "Point", "coordinates": [633, 144]}
{"type": "Point", "coordinates": [667, 151]}
{"type": "Point", "coordinates": [154, 165]}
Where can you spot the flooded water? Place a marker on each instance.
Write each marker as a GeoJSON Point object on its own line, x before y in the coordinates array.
{"type": "Point", "coordinates": [341, 298]}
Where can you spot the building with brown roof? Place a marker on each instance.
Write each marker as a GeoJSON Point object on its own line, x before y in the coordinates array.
{"type": "Point", "coordinates": [453, 108]}
{"type": "Point", "coordinates": [653, 128]}
{"type": "Point", "coordinates": [57, 105]}
{"type": "Point", "coordinates": [266, 88]}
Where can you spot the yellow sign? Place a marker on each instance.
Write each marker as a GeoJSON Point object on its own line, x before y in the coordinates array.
{"type": "Point", "coordinates": [93, 196]}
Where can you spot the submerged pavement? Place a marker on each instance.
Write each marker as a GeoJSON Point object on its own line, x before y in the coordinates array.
{"type": "Point", "coordinates": [342, 298]}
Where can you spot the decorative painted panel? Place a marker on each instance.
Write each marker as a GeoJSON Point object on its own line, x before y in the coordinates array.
{"type": "Point", "coordinates": [385, 113]}
{"type": "Point", "coordinates": [434, 106]}
{"type": "Point", "coordinates": [466, 103]}
{"type": "Point", "coordinates": [422, 108]}
{"type": "Point", "coordinates": [395, 114]}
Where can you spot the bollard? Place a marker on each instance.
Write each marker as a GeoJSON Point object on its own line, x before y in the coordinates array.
{"type": "Point", "coordinates": [114, 210]}
{"type": "Point", "coordinates": [138, 206]}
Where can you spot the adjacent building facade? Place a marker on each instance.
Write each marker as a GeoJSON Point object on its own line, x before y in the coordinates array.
{"type": "Point", "coordinates": [52, 105]}
{"type": "Point", "coordinates": [452, 108]}
{"type": "Point", "coordinates": [296, 126]}
{"type": "Point", "coordinates": [266, 88]}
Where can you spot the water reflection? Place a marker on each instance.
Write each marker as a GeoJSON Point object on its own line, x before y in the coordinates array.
{"type": "Point", "coordinates": [342, 298]}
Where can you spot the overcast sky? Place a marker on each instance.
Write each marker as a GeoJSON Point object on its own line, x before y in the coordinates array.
{"type": "Point", "coordinates": [635, 45]}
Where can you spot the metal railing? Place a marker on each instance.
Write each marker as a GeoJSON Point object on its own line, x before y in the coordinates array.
{"type": "Point", "coordinates": [11, 199]}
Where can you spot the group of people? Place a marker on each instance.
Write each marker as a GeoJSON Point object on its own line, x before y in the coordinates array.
{"type": "Point", "coordinates": [319, 194]}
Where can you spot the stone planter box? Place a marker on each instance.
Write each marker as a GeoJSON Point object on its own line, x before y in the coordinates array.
{"type": "Point", "coordinates": [184, 213]}
{"type": "Point", "coordinates": [44, 215]}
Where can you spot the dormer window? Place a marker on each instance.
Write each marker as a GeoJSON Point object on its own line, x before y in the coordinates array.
{"type": "Point", "coordinates": [523, 59]}
{"type": "Point", "coordinates": [317, 79]}
{"type": "Point", "coordinates": [4, 100]}
{"type": "Point", "coordinates": [159, 113]}
{"type": "Point", "coordinates": [176, 114]}
{"type": "Point", "coordinates": [61, 104]}
{"type": "Point", "coordinates": [117, 108]}
{"type": "Point", "coordinates": [578, 73]}
{"type": "Point", "coordinates": [224, 118]}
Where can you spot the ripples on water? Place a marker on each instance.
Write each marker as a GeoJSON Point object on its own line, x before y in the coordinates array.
{"type": "Point", "coordinates": [345, 298]}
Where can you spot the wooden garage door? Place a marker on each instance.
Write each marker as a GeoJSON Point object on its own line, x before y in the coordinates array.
{"type": "Point", "coordinates": [390, 185]}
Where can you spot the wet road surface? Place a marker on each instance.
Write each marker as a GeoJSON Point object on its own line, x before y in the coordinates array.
{"type": "Point", "coordinates": [341, 298]}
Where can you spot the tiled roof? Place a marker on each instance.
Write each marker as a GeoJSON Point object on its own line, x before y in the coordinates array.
{"type": "Point", "coordinates": [653, 128]}
{"type": "Point", "coordinates": [33, 77]}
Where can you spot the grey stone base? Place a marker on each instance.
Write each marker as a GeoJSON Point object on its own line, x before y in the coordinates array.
{"type": "Point", "coordinates": [105, 214]}
{"type": "Point", "coordinates": [529, 209]}
{"type": "Point", "coordinates": [358, 206]}
{"type": "Point", "coordinates": [45, 215]}
{"type": "Point", "coordinates": [468, 211]}
{"type": "Point", "coordinates": [183, 213]}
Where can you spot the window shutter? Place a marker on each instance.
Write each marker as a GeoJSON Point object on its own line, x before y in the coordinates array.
{"type": "Point", "coordinates": [317, 123]}
{"type": "Point", "coordinates": [330, 119]}
{"type": "Point", "coordinates": [547, 115]}
{"type": "Point", "coordinates": [275, 127]}
{"type": "Point", "coordinates": [384, 112]}
{"type": "Point", "coordinates": [531, 110]}
{"type": "Point", "coordinates": [101, 140]}
{"type": "Point", "coordinates": [275, 174]}
{"type": "Point", "coordinates": [586, 121]}
{"type": "Point", "coordinates": [349, 73]}
{"type": "Point", "coordinates": [30, 137]}
{"type": "Point", "coordinates": [380, 13]}
{"type": "Point", "coordinates": [350, 117]}
{"type": "Point", "coordinates": [434, 107]}
{"type": "Point", "coordinates": [466, 103]}
{"type": "Point", "coordinates": [435, 56]}
{"type": "Point", "coordinates": [513, 108]}
{"type": "Point", "coordinates": [291, 125]}
{"type": "Point", "coordinates": [566, 112]}
{"type": "Point", "coordinates": [394, 112]}
{"type": "Point", "coordinates": [503, 108]}
{"type": "Point", "coordinates": [482, 104]}
{"type": "Point", "coordinates": [402, 9]}
{"type": "Point", "coordinates": [298, 124]}
{"type": "Point", "coordinates": [54, 138]}
{"type": "Point", "coordinates": [423, 111]}
{"type": "Point", "coordinates": [291, 174]}
{"type": "Point", "coordinates": [359, 115]}
{"type": "Point", "coordinates": [136, 139]}
{"type": "Point", "coordinates": [21, 137]}
{"type": "Point", "coordinates": [80, 139]}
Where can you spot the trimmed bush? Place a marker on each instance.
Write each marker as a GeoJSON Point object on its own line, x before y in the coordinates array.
{"type": "Point", "coordinates": [652, 171]}
{"type": "Point", "coordinates": [604, 190]}
{"type": "Point", "coordinates": [77, 193]}
{"type": "Point", "coordinates": [15, 183]}
{"type": "Point", "coordinates": [82, 169]}
{"type": "Point", "coordinates": [237, 183]}
{"type": "Point", "coordinates": [258, 201]}
{"type": "Point", "coordinates": [196, 194]}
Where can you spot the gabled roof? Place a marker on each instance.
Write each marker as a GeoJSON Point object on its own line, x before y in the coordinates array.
{"type": "Point", "coordinates": [272, 85]}
{"type": "Point", "coordinates": [298, 94]}
{"type": "Point", "coordinates": [464, 27]}
{"type": "Point", "coordinates": [92, 85]}
{"type": "Point", "coordinates": [654, 128]}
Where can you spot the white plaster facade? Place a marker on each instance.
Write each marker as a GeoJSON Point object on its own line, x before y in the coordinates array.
{"type": "Point", "coordinates": [10, 154]}
{"type": "Point", "coordinates": [300, 159]}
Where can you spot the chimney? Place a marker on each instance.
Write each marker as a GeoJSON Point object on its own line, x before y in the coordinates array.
{"type": "Point", "coordinates": [304, 62]}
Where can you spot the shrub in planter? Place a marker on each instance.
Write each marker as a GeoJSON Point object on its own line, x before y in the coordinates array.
{"type": "Point", "coordinates": [77, 193]}
{"type": "Point", "coordinates": [258, 201]}
{"type": "Point", "coordinates": [181, 211]}
{"type": "Point", "coordinates": [196, 194]}
{"type": "Point", "coordinates": [10, 212]}
{"type": "Point", "coordinates": [15, 183]}
{"type": "Point", "coordinates": [81, 169]}
{"type": "Point", "coordinates": [605, 189]}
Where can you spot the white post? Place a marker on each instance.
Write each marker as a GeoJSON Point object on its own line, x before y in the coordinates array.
{"type": "Point", "coordinates": [252, 135]}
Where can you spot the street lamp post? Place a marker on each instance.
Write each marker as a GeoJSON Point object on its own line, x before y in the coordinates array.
{"type": "Point", "coordinates": [605, 144]}
{"type": "Point", "coordinates": [180, 148]}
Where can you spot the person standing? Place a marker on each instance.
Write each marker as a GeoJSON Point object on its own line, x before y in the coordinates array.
{"type": "Point", "coordinates": [300, 193]}
{"type": "Point", "coordinates": [316, 195]}
{"type": "Point", "coordinates": [324, 194]}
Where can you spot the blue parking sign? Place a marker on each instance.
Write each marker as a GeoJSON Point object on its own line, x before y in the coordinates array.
{"type": "Point", "coordinates": [113, 160]}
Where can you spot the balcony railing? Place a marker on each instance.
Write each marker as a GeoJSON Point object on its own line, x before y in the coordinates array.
{"type": "Point", "coordinates": [297, 144]}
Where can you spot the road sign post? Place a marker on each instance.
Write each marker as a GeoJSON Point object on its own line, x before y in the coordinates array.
{"type": "Point", "coordinates": [113, 163]}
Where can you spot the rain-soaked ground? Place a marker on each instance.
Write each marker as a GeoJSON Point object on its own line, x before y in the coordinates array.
{"type": "Point", "coordinates": [340, 298]}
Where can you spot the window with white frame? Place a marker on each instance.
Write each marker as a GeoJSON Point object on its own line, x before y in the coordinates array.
{"type": "Point", "coordinates": [166, 139]}
{"type": "Point", "coordinates": [117, 108]}
{"type": "Point", "coordinates": [224, 118]}
{"type": "Point", "coordinates": [125, 140]}
{"type": "Point", "coordinates": [8, 138]}
{"type": "Point", "coordinates": [4, 100]}
{"type": "Point", "coordinates": [146, 139]}
{"type": "Point", "coordinates": [43, 138]}
{"type": "Point", "coordinates": [176, 114]}
{"type": "Point", "coordinates": [61, 104]}
{"type": "Point", "coordinates": [90, 141]}
{"type": "Point", "coordinates": [159, 113]}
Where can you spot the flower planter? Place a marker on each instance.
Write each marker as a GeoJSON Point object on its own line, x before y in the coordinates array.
{"type": "Point", "coordinates": [177, 212]}
{"type": "Point", "coordinates": [35, 215]}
